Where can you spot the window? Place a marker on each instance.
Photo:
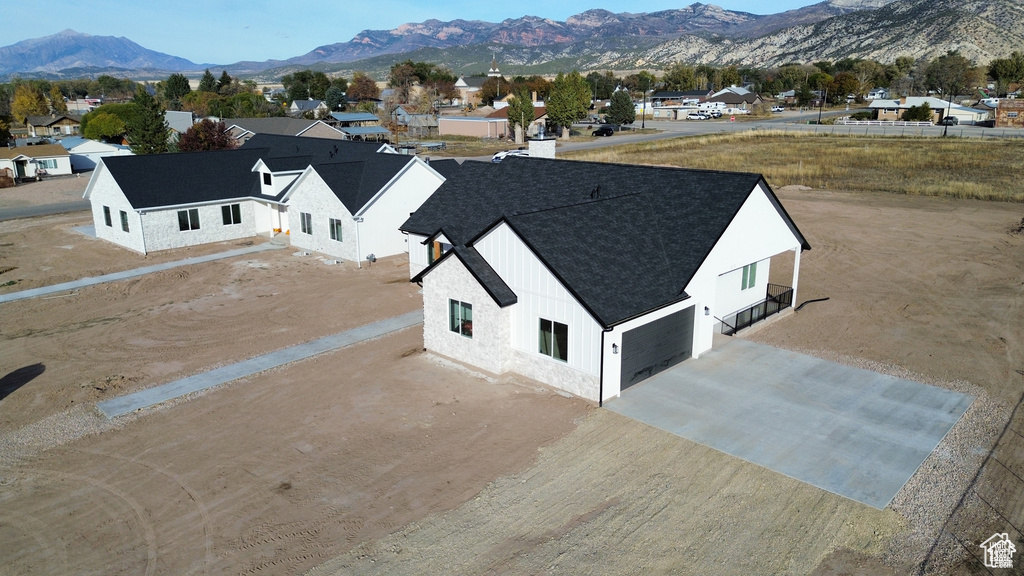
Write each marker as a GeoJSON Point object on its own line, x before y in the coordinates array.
{"type": "Point", "coordinates": [335, 229]}
{"type": "Point", "coordinates": [188, 219]}
{"type": "Point", "coordinates": [48, 163]}
{"type": "Point", "coordinates": [749, 275]}
{"type": "Point", "coordinates": [232, 214]}
{"type": "Point", "coordinates": [106, 216]}
{"type": "Point", "coordinates": [1011, 114]}
{"type": "Point", "coordinates": [435, 249]}
{"type": "Point", "coordinates": [460, 318]}
{"type": "Point", "coordinates": [124, 220]}
{"type": "Point", "coordinates": [307, 222]}
{"type": "Point", "coordinates": [267, 179]}
{"type": "Point", "coordinates": [554, 340]}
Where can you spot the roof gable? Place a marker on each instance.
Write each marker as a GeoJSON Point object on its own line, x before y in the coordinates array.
{"type": "Point", "coordinates": [623, 239]}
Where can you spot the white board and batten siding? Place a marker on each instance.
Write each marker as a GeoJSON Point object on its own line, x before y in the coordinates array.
{"type": "Point", "coordinates": [756, 233]}
{"type": "Point", "coordinates": [541, 295]}
{"type": "Point", "coordinates": [382, 215]}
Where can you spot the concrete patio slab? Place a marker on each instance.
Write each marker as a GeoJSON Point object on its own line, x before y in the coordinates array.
{"type": "Point", "coordinates": [151, 396]}
{"type": "Point", "coordinates": [92, 281]}
{"type": "Point", "coordinates": [853, 432]}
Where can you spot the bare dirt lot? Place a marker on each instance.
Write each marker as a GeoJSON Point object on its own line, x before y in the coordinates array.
{"type": "Point", "coordinates": [382, 459]}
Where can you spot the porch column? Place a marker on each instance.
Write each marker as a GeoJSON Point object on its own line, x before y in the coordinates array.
{"type": "Point", "coordinates": [796, 272]}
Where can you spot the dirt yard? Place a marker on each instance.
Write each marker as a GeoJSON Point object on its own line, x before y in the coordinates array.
{"type": "Point", "coordinates": [380, 458]}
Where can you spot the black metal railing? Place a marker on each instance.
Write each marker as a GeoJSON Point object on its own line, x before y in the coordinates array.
{"type": "Point", "coordinates": [778, 298]}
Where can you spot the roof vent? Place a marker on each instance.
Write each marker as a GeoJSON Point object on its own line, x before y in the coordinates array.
{"type": "Point", "coordinates": [595, 193]}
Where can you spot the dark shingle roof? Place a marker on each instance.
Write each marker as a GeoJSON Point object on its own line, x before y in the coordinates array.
{"type": "Point", "coordinates": [484, 274]}
{"type": "Point", "coordinates": [623, 239]}
{"type": "Point", "coordinates": [281, 126]}
{"type": "Point", "coordinates": [356, 183]}
{"type": "Point", "coordinates": [153, 181]}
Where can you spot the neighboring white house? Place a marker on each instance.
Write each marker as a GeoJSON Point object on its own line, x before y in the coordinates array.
{"type": "Point", "coordinates": [599, 278]}
{"type": "Point", "coordinates": [162, 201]}
{"type": "Point", "coordinates": [85, 153]}
{"type": "Point", "coordinates": [36, 161]}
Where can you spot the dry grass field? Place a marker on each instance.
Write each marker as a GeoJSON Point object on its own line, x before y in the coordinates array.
{"type": "Point", "coordinates": [948, 168]}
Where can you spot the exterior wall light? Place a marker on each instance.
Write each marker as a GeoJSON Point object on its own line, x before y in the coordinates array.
{"type": "Point", "coordinates": [707, 311]}
{"type": "Point", "coordinates": [615, 348]}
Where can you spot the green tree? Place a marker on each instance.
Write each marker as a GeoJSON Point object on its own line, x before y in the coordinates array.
{"type": "Point", "coordinates": [843, 84]}
{"type": "Point", "coordinates": [175, 88]}
{"type": "Point", "coordinates": [335, 98]}
{"type": "Point", "coordinates": [208, 83]}
{"type": "Point", "coordinates": [520, 113]}
{"type": "Point", "coordinates": [128, 112]}
{"type": "Point", "coordinates": [568, 101]}
{"type": "Point", "coordinates": [1006, 71]}
{"type": "Point", "coordinates": [148, 133]}
{"type": "Point", "coordinates": [28, 101]}
{"type": "Point", "coordinates": [104, 126]}
{"type": "Point", "coordinates": [949, 74]}
{"type": "Point", "coordinates": [401, 79]}
{"type": "Point", "coordinates": [110, 88]}
{"type": "Point", "coordinates": [5, 130]}
{"type": "Point", "coordinates": [621, 109]}
{"type": "Point", "coordinates": [679, 77]}
{"type": "Point", "coordinates": [922, 113]}
{"type": "Point", "coordinates": [205, 135]}
{"type": "Point", "coordinates": [731, 77]}
{"type": "Point", "coordinates": [223, 82]}
{"type": "Point", "coordinates": [57, 103]}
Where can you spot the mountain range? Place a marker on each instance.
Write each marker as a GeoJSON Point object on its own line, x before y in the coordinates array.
{"type": "Point", "coordinates": [593, 40]}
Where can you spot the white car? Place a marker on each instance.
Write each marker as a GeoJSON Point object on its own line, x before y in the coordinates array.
{"type": "Point", "coordinates": [499, 156]}
{"type": "Point", "coordinates": [696, 116]}
{"type": "Point", "coordinates": [778, 108]}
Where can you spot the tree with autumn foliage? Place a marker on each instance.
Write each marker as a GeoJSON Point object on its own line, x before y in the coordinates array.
{"type": "Point", "coordinates": [205, 135]}
{"type": "Point", "coordinates": [28, 101]}
{"type": "Point", "coordinates": [363, 87]}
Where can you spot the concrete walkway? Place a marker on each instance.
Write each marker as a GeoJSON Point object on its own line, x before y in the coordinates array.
{"type": "Point", "coordinates": [149, 397]}
{"type": "Point", "coordinates": [83, 282]}
{"type": "Point", "coordinates": [853, 432]}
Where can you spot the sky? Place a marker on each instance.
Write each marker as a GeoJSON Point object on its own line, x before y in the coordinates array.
{"type": "Point", "coordinates": [228, 31]}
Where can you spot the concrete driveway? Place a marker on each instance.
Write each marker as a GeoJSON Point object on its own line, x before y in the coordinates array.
{"type": "Point", "coordinates": [850, 431]}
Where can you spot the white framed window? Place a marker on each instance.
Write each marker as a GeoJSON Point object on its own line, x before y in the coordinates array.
{"type": "Point", "coordinates": [554, 340]}
{"type": "Point", "coordinates": [106, 217]}
{"type": "Point", "coordinates": [749, 276]}
{"type": "Point", "coordinates": [336, 229]}
{"type": "Point", "coordinates": [307, 222]}
{"type": "Point", "coordinates": [124, 221]}
{"type": "Point", "coordinates": [188, 219]}
{"type": "Point", "coordinates": [47, 163]}
{"type": "Point", "coordinates": [231, 214]}
{"type": "Point", "coordinates": [460, 318]}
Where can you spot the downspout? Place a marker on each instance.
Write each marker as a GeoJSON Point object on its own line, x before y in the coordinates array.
{"type": "Point", "coordinates": [142, 231]}
{"type": "Point", "coordinates": [600, 377]}
{"type": "Point", "coordinates": [359, 260]}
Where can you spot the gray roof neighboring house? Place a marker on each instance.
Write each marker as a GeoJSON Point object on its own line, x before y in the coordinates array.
{"type": "Point", "coordinates": [306, 105]}
{"type": "Point", "coordinates": [282, 126]}
{"type": "Point", "coordinates": [623, 239]}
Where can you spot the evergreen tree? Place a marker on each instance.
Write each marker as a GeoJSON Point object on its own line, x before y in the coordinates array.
{"type": "Point", "coordinates": [224, 81]}
{"type": "Point", "coordinates": [335, 98]}
{"type": "Point", "coordinates": [621, 109]}
{"type": "Point", "coordinates": [208, 83]}
{"type": "Point", "coordinates": [148, 133]}
{"type": "Point", "coordinates": [175, 87]}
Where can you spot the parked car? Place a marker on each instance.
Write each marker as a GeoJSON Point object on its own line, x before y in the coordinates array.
{"type": "Point", "coordinates": [715, 113]}
{"type": "Point", "coordinates": [949, 121]}
{"type": "Point", "coordinates": [696, 116]}
{"type": "Point", "coordinates": [778, 108]}
{"type": "Point", "coordinates": [605, 130]}
{"type": "Point", "coordinates": [499, 156]}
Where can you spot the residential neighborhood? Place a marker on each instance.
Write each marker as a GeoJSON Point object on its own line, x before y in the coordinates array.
{"type": "Point", "coordinates": [460, 289]}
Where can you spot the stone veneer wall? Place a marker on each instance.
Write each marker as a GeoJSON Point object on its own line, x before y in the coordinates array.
{"type": "Point", "coordinates": [556, 374]}
{"type": "Point", "coordinates": [488, 349]}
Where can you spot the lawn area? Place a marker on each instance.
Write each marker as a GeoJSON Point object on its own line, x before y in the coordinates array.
{"type": "Point", "coordinates": [946, 167]}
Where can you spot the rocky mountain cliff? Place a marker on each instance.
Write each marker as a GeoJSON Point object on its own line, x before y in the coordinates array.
{"type": "Point", "coordinates": [70, 49]}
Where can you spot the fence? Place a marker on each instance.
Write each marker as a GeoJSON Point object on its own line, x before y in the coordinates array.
{"type": "Point", "coordinates": [778, 298]}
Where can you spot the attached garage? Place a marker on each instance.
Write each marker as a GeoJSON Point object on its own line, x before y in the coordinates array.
{"type": "Point", "coordinates": [656, 346]}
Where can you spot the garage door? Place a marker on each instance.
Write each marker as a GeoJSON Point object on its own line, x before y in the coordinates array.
{"type": "Point", "coordinates": [653, 347]}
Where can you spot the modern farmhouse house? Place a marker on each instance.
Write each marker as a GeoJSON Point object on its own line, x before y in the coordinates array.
{"type": "Point", "coordinates": [592, 277]}
{"type": "Point", "coordinates": [344, 199]}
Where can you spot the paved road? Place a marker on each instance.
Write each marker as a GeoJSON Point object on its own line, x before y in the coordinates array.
{"type": "Point", "coordinates": [43, 210]}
